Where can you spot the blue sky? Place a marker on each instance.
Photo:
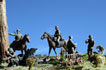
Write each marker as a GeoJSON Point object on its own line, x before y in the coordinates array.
{"type": "Point", "coordinates": [78, 18]}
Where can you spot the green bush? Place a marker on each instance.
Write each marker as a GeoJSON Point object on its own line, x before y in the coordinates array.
{"type": "Point", "coordinates": [85, 57]}
{"type": "Point", "coordinates": [98, 59]}
{"type": "Point", "coordinates": [31, 62]}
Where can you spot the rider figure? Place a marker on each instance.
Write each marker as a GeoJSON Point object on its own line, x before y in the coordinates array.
{"type": "Point", "coordinates": [57, 35]}
{"type": "Point", "coordinates": [18, 36]}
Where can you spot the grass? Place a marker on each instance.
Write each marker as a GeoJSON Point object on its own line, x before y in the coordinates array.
{"type": "Point", "coordinates": [87, 65]}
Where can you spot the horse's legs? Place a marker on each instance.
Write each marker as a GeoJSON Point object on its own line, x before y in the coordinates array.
{"type": "Point", "coordinates": [25, 49]}
{"type": "Point", "coordinates": [49, 51]}
{"type": "Point", "coordinates": [22, 51]}
{"type": "Point", "coordinates": [55, 51]}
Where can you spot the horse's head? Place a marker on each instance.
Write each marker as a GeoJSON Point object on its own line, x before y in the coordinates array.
{"type": "Point", "coordinates": [26, 36]}
{"type": "Point", "coordinates": [45, 35]}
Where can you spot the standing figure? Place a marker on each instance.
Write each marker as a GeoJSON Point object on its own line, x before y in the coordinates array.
{"type": "Point", "coordinates": [57, 35]}
{"type": "Point", "coordinates": [71, 46]}
{"type": "Point", "coordinates": [91, 43]}
{"type": "Point", "coordinates": [18, 37]}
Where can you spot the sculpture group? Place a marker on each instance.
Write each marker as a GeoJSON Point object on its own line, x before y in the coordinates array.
{"type": "Point", "coordinates": [56, 41]}
{"type": "Point", "coordinates": [18, 44]}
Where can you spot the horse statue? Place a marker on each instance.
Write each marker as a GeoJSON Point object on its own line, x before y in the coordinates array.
{"type": "Point", "coordinates": [21, 45]}
{"type": "Point", "coordinates": [52, 43]}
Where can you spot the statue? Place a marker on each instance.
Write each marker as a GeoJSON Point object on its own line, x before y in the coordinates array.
{"type": "Point", "coordinates": [11, 57]}
{"type": "Point", "coordinates": [71, 46]}
{"type": "Point", "coordinates": [57, 35]}
{"type": "Point", "coordinates": [29, 54]}
{"type": "Point", "coordinates": [20, 41]}
{"type": "Point", "coordinates": [52, 43]}
{"type": "Point", "coordinates": [21, 44]}
{"type": "Point", "coordinates": [91, 43]}
{"type": "Point", "coordinates": [18, 37]}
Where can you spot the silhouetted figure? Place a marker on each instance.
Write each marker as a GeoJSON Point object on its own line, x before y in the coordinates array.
{"type": "Point", "coordinates": [71, 46]}
{"type": "Point", "coordinates": [91, 43]}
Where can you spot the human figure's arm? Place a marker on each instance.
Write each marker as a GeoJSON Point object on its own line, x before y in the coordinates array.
{"type": "Point", "coordinates": [7, 53]}
{"type": "Point", "coordinates": [86, 41]}
{"type": "Point", "coordinates": [21, 36]}
{"type": "Point", "coordinates": [12, 34]}
{"type": "Point", "coordinates": [59, 32]}
{"type": "Point", "coordinates": [93, 43]}
{"type": "Point", "coordinates": [74, 45]}
{"type": "Point", "coordinates": [14, 55]}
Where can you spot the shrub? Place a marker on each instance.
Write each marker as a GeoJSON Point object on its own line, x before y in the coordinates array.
{"type": "Point", "coordinates": [31, 62]}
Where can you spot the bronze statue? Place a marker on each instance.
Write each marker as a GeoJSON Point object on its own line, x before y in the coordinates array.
{"type": "Point", "coordinates": [91, 43]}
{"type": "Point", "coordinates": [71, 46]}
{"type": "Point", "coordinates": [52, 43]}
{"type": "Point", "coordinates": [21, 44]}
{"type": "Point", "coordinates": [18, 36]}
{"type": "Point", "coordinates": [57, 35]}
{"type": "Point", "coordinates": [12, 58]}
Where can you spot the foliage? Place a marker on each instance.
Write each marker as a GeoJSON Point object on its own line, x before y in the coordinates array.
{"type": "Point", "coordinates": [38, 55]}
{"type": "Point", "coordinates": [62, 52]}
{"type": "Point", "coordinates": [31, 62]}
{"type": "Point", "coordinates": [53, 61]}
{"type": "Point", "coordinates": [98, 63]}
{"type": "Point", "coordinates": [98, 59]}
{"type": "Point", "coordinates": [85, 57]}
{"type": "Point", "coordinates": [62, 57]}
{"type": "Point", "coordinates": [44, 55]}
